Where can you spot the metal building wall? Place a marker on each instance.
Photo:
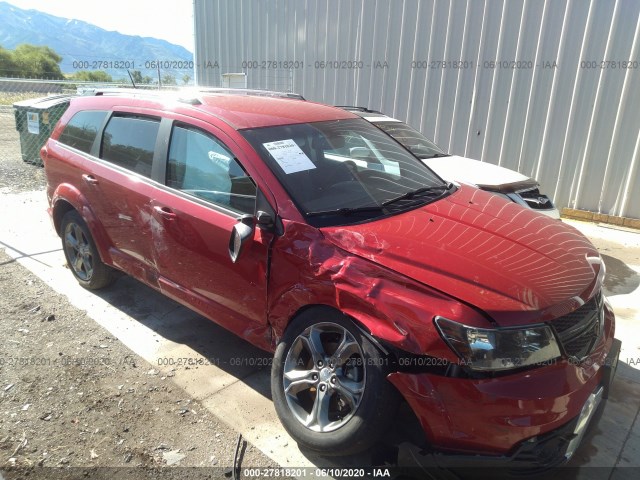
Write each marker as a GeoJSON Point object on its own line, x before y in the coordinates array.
{"type": "Point", "coordinates": [574, 126]}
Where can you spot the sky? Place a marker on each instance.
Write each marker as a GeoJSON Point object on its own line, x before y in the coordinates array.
{"type": "Point", "coordinates": [170, 20]}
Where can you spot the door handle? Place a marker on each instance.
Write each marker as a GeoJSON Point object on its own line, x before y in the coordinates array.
{"type": "Point", "coordinates": [90, 179]}
{"type": "Point", "coordinates": [165, 212]}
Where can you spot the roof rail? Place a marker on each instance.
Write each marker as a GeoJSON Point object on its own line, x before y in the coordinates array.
{"type": "Point", "coordinates": [139, 92]}
{"type": "Point", "coordinates": [114, 91]}
{"type": "Point", "coordinates": [188, 95]}
{"type": "Point", "coordinates": [249, 91]}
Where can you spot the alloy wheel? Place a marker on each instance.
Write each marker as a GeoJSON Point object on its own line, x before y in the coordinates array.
{"type": "Point", "coordinates": [78, 251]}
{"type": "Point", "coordinates": [324, 377]}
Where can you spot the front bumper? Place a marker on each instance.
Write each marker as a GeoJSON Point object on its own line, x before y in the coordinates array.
{"type": "Point", "coordinates": [532, 419]}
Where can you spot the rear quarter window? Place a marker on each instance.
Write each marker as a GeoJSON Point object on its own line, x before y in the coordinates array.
{"type": "Point", "coordinates": [81, 131]}
{"type": "Point", "coordinates": [130, 142]}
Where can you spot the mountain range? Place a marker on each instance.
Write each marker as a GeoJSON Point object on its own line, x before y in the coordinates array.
{"type": "Point", "coordinates": [84, 46]}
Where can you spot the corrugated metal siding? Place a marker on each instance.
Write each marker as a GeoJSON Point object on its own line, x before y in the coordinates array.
{"type": "Point", "coordinates": [575, 129]}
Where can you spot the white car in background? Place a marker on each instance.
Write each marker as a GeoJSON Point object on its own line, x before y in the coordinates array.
{"type": "Point", "coordinates": [513, 185]}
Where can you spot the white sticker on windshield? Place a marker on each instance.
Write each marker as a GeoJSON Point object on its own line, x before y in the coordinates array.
{"type": "Point", "coordinates": [289, 156]}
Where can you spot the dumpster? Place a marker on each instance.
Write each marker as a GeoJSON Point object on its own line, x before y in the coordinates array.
{"type": "Point", "coordinates": [35, 120]}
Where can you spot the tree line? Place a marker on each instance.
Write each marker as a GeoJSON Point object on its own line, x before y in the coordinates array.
{"type": "Point", "coordinates": [36, 61]}
{"type": "Point", "coordinates": [30, 61]}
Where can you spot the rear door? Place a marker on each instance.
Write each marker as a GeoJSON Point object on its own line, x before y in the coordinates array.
{"type": "Point", "coordinates": [207, 191]}
{"type": "Point", "coordinates": [119, 189]}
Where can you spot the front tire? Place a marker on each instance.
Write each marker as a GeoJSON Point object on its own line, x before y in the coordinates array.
{"type": "Point", "coordinates": [82, 255]}
{"type": "Point", "coordinates": [329, 385]}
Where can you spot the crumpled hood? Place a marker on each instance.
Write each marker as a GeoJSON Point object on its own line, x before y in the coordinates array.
{"type": "Point", "coordinates": [474, 172]}
{"type": "Point", "coordinates": [516, 265]}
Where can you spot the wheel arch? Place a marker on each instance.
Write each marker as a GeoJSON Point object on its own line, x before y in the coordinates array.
{"type": "Point", "coordinates": [59, 210]}
{"type": "Point", "coordinates": [325, 309]}
{"type": "Point", "coordinates": [67, 198]}
{"type": "Point", "coordinates": [374, 411]}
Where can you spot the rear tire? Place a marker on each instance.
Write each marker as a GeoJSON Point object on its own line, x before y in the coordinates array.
{"type": "Point", "coordinates": [82, 255]}
{"type": "Point", "coordinates": [329, 385]}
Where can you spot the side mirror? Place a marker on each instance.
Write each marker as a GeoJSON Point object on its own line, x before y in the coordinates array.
{"type": "Point", "coordinates": [264, 220]}
{"type": "Point", "coordinates": [241, 235]}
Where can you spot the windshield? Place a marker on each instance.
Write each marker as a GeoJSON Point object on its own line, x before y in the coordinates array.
{"type": "Point", "coordinates": [411, 139]}
{"type": "Point", "coordinates": [345, 171]}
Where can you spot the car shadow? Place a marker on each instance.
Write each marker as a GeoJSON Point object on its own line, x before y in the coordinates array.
{"type": "Point", "coordinates": [404, 446]}
{"type": "Point", "coordinates": [243, 362]}
{"type": "Point", "coordinates": [607, 433]}
{"type": "Point", "coordinates": [180, 325]}
{"type": "Point", "coordinates": [620, 279]}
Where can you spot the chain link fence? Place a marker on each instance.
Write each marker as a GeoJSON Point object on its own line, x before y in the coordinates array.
{"type": "Point", "coordinates": [14, 125]}
{"type": "Point", "coordinates": [29, 111]}
{"type": "Point", "coordinates": [30, 108]}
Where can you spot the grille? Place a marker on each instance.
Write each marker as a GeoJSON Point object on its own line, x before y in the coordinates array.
{"type": "Point", "coordinates": [536, 200]}
{"type": "Point", "coordinates": [579, 330]}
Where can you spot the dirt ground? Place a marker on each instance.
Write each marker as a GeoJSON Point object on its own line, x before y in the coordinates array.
{"type": "Point", "coordinates": [76, 403]}
{"type": "Point", "coordinates": [72, 397]}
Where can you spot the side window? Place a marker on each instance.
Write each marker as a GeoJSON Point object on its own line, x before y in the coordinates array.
{"type": "Point", "coordinates": [130, 142]}
{"type": "Point", "coordinates": [82, 129]}
{"type": "Point", "coordinates": [203, 167]}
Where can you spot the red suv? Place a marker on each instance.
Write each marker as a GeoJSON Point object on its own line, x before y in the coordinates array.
{"type": "Point", "coordinates": [370, 280]}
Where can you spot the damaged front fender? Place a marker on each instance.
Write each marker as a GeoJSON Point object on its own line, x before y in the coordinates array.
{"type": "Point", "coordinates": [309, 270]}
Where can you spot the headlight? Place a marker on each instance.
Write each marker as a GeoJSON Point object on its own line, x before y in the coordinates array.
{"type": "Point", "coordinates": [500, 348]}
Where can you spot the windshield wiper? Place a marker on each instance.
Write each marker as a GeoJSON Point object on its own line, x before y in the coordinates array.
{"type": "Point", "coordinates": [418, 192]}
{"type": "Point", "coordinates": [346, 211]}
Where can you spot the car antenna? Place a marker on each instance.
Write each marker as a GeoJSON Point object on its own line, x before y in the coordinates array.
{"type": "Point", "coordinates": [131, 77]}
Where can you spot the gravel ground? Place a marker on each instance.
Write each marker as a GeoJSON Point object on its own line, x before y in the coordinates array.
{"type": "Point", "coordinates": [74, 401]}
{"type": "Point", "coordinates": [71, 395]}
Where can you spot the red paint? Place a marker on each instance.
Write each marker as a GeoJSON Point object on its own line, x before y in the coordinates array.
{"type": "Point", "coordinates": [491, 416]}
{"type": "Point", "coordinates": [471, 257]}
{"type": "Point", "coordinates": [516, 265]}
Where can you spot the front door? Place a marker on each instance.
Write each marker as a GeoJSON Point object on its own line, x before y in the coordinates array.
{"type": "Point", "coordinates": [191, 227]}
